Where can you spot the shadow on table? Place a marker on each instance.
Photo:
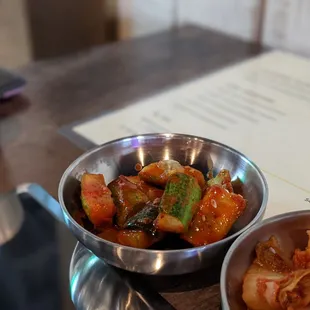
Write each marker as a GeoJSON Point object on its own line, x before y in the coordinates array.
{"type": "Point", "coordinates": [180, 283]}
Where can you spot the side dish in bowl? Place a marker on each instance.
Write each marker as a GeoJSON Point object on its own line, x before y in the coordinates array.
{"type": "Point", "coordinates": [112, 229]}
{"type": "Point", "coordinates": [164, 202]}
{"type": "Point", "coordinates": [268, 267]}
{"type": "Point", "coordinates": [276, 281]}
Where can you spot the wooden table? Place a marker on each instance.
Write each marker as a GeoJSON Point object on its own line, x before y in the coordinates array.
{"type": "Point", "coordinates": [65, 90]}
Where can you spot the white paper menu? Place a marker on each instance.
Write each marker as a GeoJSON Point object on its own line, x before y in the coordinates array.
{"type": "Point", "coordinates": [260, 107]}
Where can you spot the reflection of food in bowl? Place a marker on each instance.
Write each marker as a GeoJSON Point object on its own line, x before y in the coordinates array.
{"type": "Point", "coordinates": [164, 202]}
{"type": "Point", "coordinates": [268, 267]}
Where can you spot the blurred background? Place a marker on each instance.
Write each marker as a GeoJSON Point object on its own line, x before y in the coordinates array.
{"type": "Point", "coordinates": [34, 30]}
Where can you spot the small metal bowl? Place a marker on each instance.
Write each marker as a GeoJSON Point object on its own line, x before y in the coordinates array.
{"type": "Point", "coordinates": [121, 156]}
{"type": "Point", "coordinates": [288, 228]}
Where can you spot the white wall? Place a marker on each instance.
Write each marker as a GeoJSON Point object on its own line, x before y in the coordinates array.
{"type": "Point", "coordinates": [15, 49]}
{"type": "Point", "coordinates": [287, 25]}
{"type": "Point", "coordinates": [147, 16]}
{"type": "Point", "coordinates": [286, 22]}
{"type": "Point", "coordinates": [235, 17]}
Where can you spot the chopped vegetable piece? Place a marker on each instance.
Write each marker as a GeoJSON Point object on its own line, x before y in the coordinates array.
{"type": "Point", "coordinates": [270, 256]}
{"type": "Point", "coordinates": [136, 238]}
{"type": "Point", "coordinates": [159, 172]}
{"type": "Point", "coordinates": [196, 174]}
{"type": "Point", "coordinates": [261, 288]}
{"type": "Point", "coordinates": [129, 199]}
{"type": "Point", "coordinates": [223, 178]}
{"type": "Point", "coordinates": [178, 204]}
{"type": "Point", "coordinates": [109, 233]}
{"type": "Point", "coordinates": [96, 199]}
{"type": "Point", "coordinates": [274, 282]}
{"type": "Point", "coordinates": [217, 212]}
{"type": "Point", "coordinates": [79, 216]}
{"type": "Point", "coordinates": [294, 293]}
{"type": "Point", "coordinates": [163, 197]}
{"type": "Point", "coordinates": [301, 259]}
{"type": "Point", "coordinates": [169, 223]}
{"type": "Point", "coordinates": [144, 219]}
{"type": "Point", "coordinates": [151, 191]}
{"type": "Point", "coordinates": [135, 179]}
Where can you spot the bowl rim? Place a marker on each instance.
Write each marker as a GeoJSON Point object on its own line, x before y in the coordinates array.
{"type": "Point", "coordinates": [69, 169]}
{"type": "Point", "coordinates": [240, 239]}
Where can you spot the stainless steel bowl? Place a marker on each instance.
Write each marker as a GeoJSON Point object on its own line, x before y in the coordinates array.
{"type": "Point", "coordinates": [288, 228]}
{"type": "Point", "coordinates": [120, 157]}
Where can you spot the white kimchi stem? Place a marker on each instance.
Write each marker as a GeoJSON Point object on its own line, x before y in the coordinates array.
{"type": "Point", "coordinates": [261, 288]}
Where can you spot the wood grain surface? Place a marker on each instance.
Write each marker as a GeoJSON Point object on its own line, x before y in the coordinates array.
{"type": "Point", "coordinates": [62, 91]}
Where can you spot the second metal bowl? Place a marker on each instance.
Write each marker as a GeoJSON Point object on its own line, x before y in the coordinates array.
{"type": "Point", "coordinates": [288, 228]}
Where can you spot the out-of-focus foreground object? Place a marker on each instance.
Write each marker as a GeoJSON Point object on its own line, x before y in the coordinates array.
{"type": "Point", "coordinates": [11, 217]}
{"type": "Point", "coordinates": [10, 84]}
